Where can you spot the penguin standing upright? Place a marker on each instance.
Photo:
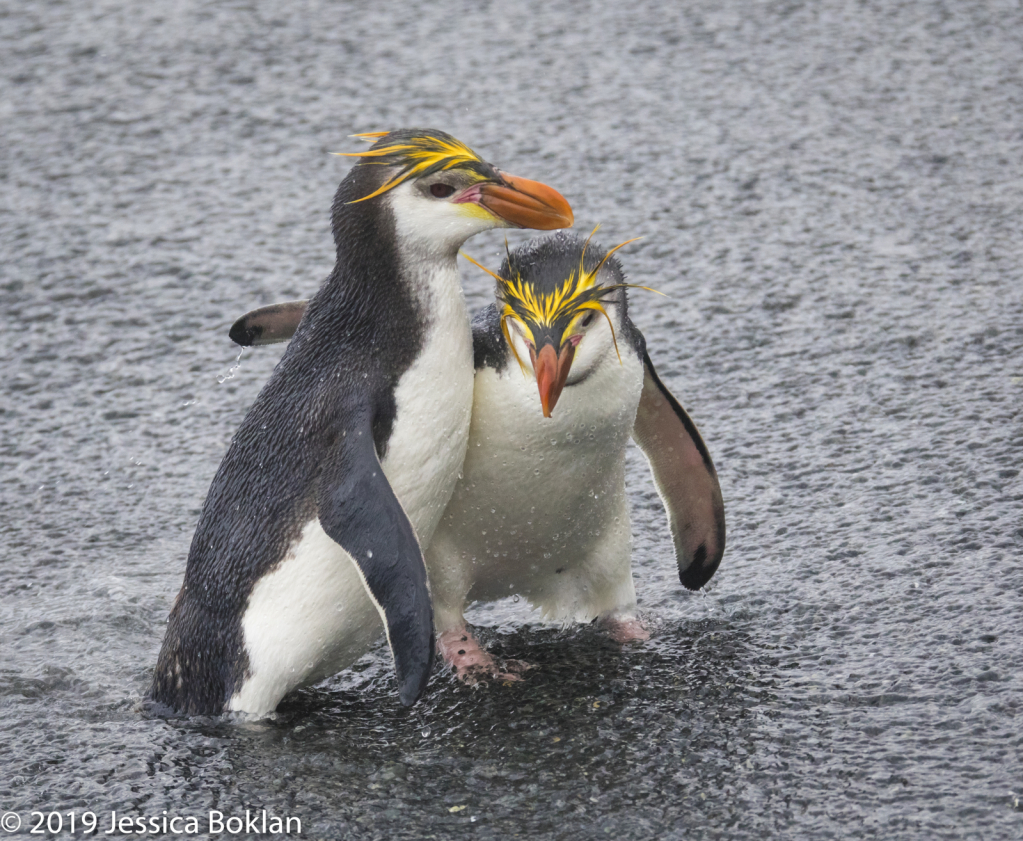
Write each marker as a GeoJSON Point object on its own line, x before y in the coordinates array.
{"type": "Point", "coordinates": [540, 509]}
{"type": "Point", "coordinates": [311, 532]}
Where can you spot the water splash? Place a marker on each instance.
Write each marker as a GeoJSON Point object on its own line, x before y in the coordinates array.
{"type": "Point", "coordinates": [223, 378]}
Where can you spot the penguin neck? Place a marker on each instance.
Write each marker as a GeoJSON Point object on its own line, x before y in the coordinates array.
{"type": "Point", "coordinates": [388, 291]}
{"type": "Point", "coordinates": [430, 277]}
{"type": "Point", "coordinates": [368, 277]}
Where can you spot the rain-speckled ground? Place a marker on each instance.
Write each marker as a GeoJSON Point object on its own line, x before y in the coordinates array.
{"type": "Point", "coordinates": [832, 194]}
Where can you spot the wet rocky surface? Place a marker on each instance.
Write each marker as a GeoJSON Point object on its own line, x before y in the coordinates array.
{"type": "Point", "coordinates": [831, 194]}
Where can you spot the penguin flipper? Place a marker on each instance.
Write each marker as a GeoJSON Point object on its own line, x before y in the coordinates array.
{"type": "Point", "coordinates": [359, 511]}
{"type": "Point", "coordinates": [685, 477]}
{"type": "Point", "coordinates": [268, 325]}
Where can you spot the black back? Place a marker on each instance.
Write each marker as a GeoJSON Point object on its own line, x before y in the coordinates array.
{"type": "Point", "coordinates": [489, 348]}
{"type": "Point", "coordinates": [361, 332]}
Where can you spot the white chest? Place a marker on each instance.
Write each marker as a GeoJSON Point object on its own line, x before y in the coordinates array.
{"type": "Point", "coordinates": [434, 405]}
{"type": "Point", "coordinates": [539, 492]}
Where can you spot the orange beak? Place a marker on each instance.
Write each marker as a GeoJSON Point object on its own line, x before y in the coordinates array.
{"type": "Point", "coordinates": [551, 372]}
{"type": "Point", "coordinates": [527, 204]}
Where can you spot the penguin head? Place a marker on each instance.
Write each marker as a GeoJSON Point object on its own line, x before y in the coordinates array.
{"type": "Point", "coordinates": [440, 192]}
{"type": "Point", "coordinates": [562, 305]}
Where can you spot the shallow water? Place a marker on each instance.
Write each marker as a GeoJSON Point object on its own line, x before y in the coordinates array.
{"type": "Point", "coordinates": [830, 194]}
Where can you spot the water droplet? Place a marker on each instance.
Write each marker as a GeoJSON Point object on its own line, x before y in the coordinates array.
{"type": "Point", "coordinates": [369, 553]}
{"type": "Point", "coordinates": [223, 378]}
{"type": "Point", "coordinates": [515, 599]}
{"type": "Point", "coordinates": [426, 732]}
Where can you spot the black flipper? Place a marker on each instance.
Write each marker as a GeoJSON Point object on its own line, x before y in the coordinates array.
{"type": "Point", "coordinates": [685, 477]}
{"type": "Point", "coordinates": [268, 325]}
{"type": "Point", "coordinates": [358, 510]}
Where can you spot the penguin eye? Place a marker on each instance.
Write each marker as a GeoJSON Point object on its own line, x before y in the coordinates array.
{"type": "Point", "coordinates": [441, 191]}
{"type": "Point", "coordinates": [588, 320]}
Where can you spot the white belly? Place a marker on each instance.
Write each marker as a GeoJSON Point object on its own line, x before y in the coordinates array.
{"type": "Point", "coordinates": [312, 617]}
{"type": "Point", "coordinates": [541, 508]}
{"type": "Point", "coordinates": [308, 619]}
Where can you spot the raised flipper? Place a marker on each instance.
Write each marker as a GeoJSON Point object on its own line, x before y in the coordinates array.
{"type": "Point", "coordinates": [268, 325]}
{"type": "Point", "coordinates": [685, 477]}
{"type": "Point", "coordinates": [359, 511]}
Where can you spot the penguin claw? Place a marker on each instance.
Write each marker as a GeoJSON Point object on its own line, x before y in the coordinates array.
{"type": "Point", "coordinates": [472, 663]}
{"type": "Point", "coordinates": [518, 667]}
{"type": "Point", "coordinates": [475, 677]}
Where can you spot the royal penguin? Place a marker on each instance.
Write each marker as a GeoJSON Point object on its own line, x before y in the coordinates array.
{"type": "Point", "coordinates": [563, 379]}
{"type": "Point", "coordinates": [309, 542]}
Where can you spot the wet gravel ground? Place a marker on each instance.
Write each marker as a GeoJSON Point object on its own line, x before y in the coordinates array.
{"type": "Point", "coordinates": [831, 194]}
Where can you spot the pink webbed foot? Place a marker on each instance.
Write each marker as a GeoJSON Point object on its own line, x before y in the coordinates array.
{"type": "Point", "coordinates": [471, 662]}
{"type": "Point", "coordinates": [625, 629]}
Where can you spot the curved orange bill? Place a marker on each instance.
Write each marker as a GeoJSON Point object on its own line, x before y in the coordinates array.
{"type": "Point", "coordinates": [551, 372]}
{"type": "Point", "coordinates": [527, 204]}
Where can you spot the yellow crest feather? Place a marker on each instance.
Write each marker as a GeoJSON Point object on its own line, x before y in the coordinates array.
{"type": "Point", "coordinates": [566, 304]}
{"type": "Point", "coordinates": [416, 155]}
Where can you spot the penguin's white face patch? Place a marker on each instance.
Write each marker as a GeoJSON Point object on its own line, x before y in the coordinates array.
{"type": "Point", "coordinates": [595, 345]}
{"type": "Point", "coordinates": [519, 337]}
{"type": "Point", "coordinates": [440, 224]}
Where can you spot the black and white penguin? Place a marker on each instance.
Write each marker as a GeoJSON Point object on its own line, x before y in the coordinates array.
{"type": "Point", "coordinates": [541, 509]}
{"type": "Point", "coordinates": [311, 532]}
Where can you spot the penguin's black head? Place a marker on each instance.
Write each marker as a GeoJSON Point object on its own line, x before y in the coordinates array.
{"type": "Point", "coordinates": [440, 191]}
{"type": "Point", "coordinates": [552, 294]}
